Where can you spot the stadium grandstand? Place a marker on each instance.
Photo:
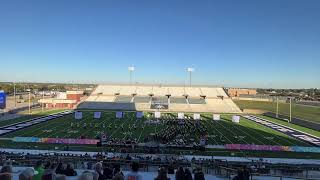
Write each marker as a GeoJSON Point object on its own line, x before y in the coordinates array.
{"type": "Point", "coordinates": [161, 97]}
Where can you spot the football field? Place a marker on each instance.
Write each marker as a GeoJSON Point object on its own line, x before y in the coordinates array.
{"type": "Point", "coordinates": [168, 128]}
{"type": "Point", "coordinates": [130, 128]}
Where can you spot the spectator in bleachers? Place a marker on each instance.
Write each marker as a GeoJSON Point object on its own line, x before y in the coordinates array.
{"type": "Point", "coordinates": [5, 176]}
{"type": "Point", "coordinates": [86, 175]}
{"type": "Point", "coordinates": [99, 170]}
{"type": "Point", "coordinates": [27, 174]}
{"type": "Point", "coordinates": [6, 169]}
{"type": "Point", "coordinates": [60, 169]}
{"type": "Point", "coordinates": [162, 174]}
{"type": "Point", "coordinates": [107, 171]}
{"type": "Point", "coordinates": [39, 168]}
{"type": "Point", "coordinates": [246, 173]}
{"type": "Point", "coordinates": [180, 174]}
{"type": "Point", "coordinates": [134, 174]}
{"type": "Point", "coordinates": [118, 174]}
{"type": "Point", "coordinates": [243, 174]}
{"type": "Point", "coordinates": [6, 173]}
{"type": "Point", "coordinates": [49, 172]}
{"type": "Point", "coordinates": [61, 177]}
{"type": "Point", "coordinates": [198, 174]}
{"type": "Point", "coordinates": [70, 171]}
{"type": "Point", "coordinates": [187, 174]}
{"type": "Point", "coordinates": [171, 168]}
{"type": "Point", "coordinates": [239, 175]}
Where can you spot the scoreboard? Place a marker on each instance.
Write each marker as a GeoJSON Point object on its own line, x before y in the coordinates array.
{"type": "Point", "coordinates": [2, 100]}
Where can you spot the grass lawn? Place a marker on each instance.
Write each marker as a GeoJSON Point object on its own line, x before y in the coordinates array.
{"type": "Point", "coordinates": [308, 113]}
{"type": "Point", "coordinates": [303, 129]}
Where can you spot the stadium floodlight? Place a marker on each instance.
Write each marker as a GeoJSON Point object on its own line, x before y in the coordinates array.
{"type": "Point", "coordinates": [14, 95]}
{"type": "Point", "coordinates": [190, 70]}
{"type": "Point", "coordinates": [277, 111]}
{"type": "Point", "coordinates": [290, 110]}
{"type": "Point", "coordinates": [42, 105]}
{"type": "Point", "coordinates": [131, 69]}
{"type": "Point", "coordinates": [29, 90]}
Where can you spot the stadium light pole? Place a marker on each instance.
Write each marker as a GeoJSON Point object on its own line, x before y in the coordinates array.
{"type": "Point", "coordinates": [14, 95]}
{"type": "Point", "coordinates": [277, 115]}
{"type": "Point", "coordinates": [42, 105]}
{"type": "Point", "coordinates": [131, 69]}
{"type": "Point", "coordinates": [190, 70]}
{"type": "Point", "coordinates": [290, 111]}
{"type": "Point", "coordinates": [29, 101]}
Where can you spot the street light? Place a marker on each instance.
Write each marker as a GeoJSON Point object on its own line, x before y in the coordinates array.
{"type": "Point", "coordinates": [190, 70]}
{"type": "Point", "coordinates": [131, 69]}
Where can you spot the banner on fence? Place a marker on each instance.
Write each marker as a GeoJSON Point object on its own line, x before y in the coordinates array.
{"type": "Point", "coordinates": [119, 115]}
{"type": "Point", "coordinates": [97, 115]}
{"type": "Point", "coordinates": [139, 114]}
{"type": "Point", "coordinates": [78, 115]}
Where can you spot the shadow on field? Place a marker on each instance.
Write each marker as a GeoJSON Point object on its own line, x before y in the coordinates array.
{"type": "Point", "coordinates": [107, 105]}
{"type": "Point", "coordinates": [297, 121]}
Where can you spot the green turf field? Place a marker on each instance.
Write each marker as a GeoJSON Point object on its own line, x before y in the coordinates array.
{"type": "Point", "coordinates": [309, 113]}
{"type": "Point", "coordinates": [218, 132]}
{"type": "Point", "coordinates": [27, 117]}
{"type": "Point", "coordinates": [303, 129]}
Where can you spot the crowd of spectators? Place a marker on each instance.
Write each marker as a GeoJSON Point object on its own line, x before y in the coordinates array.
{"type": "Point", "coordinates": [100, 171]}
{"type": "Point", "coordinates": [47, 166]}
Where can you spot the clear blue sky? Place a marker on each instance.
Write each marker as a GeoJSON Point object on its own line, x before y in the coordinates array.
{"type": "Point", "coordinates": [242, 43]}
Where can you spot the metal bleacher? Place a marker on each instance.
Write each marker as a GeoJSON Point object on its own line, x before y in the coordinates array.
{"type": "Point", "coordinates": [140, 97]}
{"type": "Point", "coordinates": [196, 101]}
{"type": "Point", "coordinates": [178, 100]}
{"type": "Point", "coordinates": [123, 98]}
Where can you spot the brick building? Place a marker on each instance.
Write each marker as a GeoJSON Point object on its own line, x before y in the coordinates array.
{"type": "Point", "coordinates": [67, 100]}
{"type": "Point", "coordinates": [235, 92]}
